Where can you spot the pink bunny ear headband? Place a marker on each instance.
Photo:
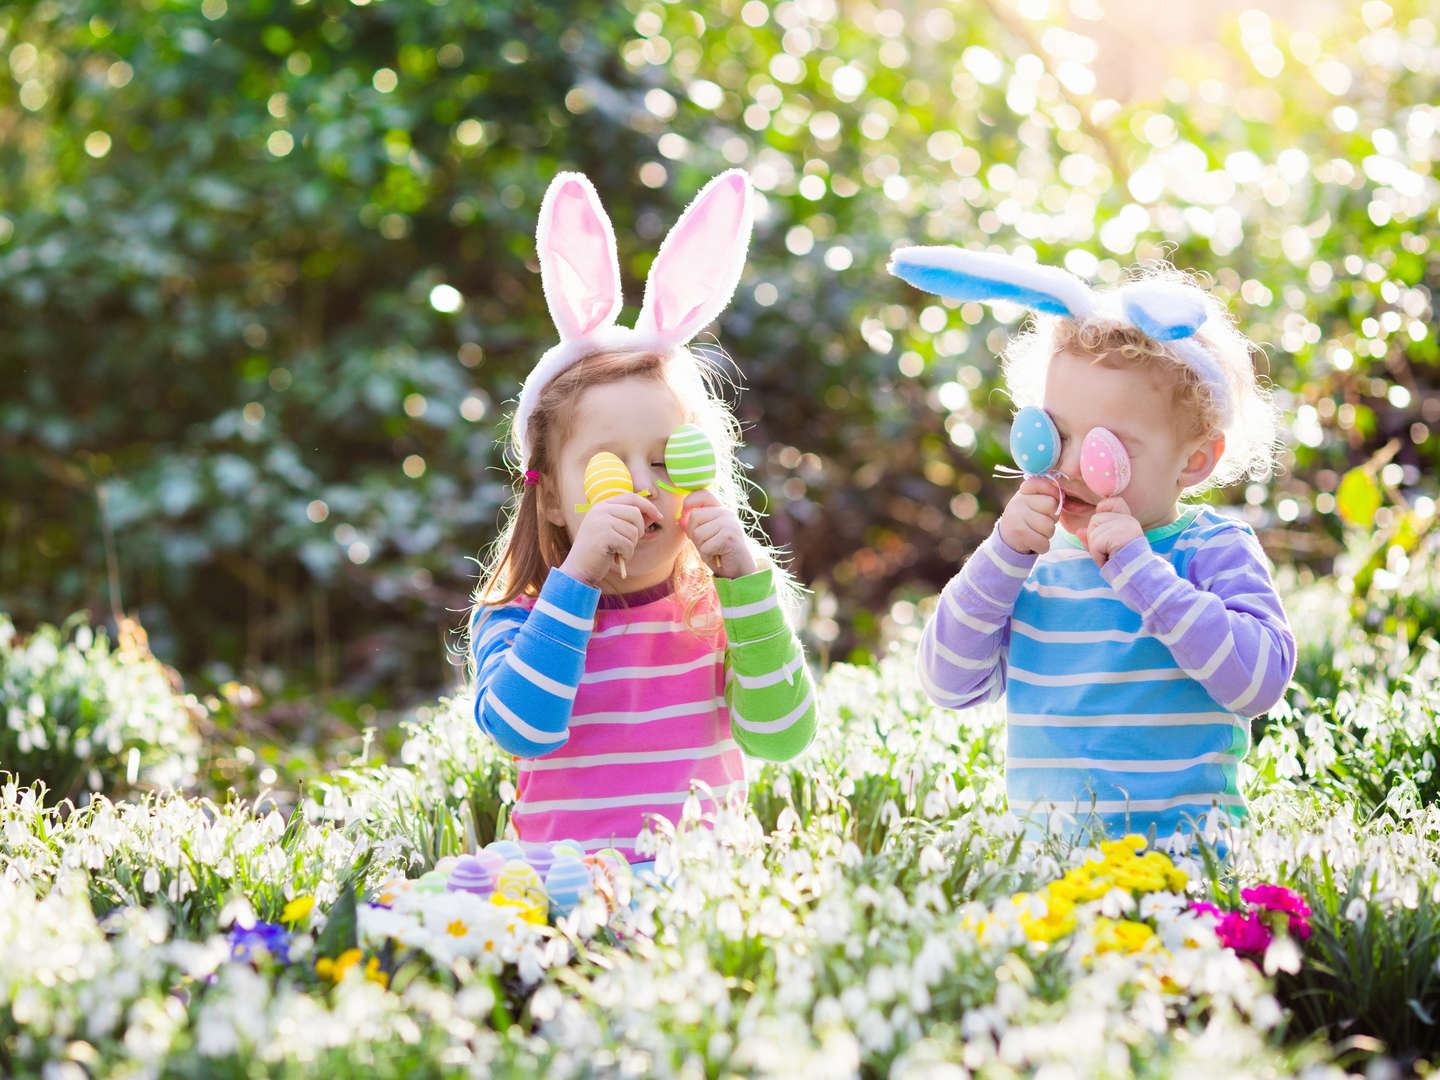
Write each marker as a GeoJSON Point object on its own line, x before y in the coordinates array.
{"type": "Point", "coordinates": [691, 280]}
{"type": "Point", "coordinates": [1168, 312]}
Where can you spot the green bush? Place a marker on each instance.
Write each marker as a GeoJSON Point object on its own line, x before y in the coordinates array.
{"type": "Point", "coordinates": [222, 225]}
{"type": "Point", "coordinates": [81, 715]}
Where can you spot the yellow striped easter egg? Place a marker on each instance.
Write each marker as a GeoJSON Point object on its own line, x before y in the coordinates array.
{"type": "Point", "coordinates": [606, 475]}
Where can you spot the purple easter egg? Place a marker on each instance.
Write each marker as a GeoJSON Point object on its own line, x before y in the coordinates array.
{"type": "Point", "coordinates": [539, 856]}
{"type": "Point", "coordinates": [476, 875]}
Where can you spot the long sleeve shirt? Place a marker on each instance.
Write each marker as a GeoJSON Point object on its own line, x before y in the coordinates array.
{"type": "Point", "coordinates": [615, 705]}
{"type": "Point", "coordinates": [1127, 688]}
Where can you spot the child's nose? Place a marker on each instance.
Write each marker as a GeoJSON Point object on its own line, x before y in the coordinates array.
{"type": "Point", "coordinates": [1069, 462]}
{"type": "Point", "coordinates": [643, 476]}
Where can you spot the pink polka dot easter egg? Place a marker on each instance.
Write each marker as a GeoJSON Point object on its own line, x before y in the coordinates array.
{"type": "Point", "coordinates": [1104, 463]}
{"type": "Point", "coordinates": [1034, 442]}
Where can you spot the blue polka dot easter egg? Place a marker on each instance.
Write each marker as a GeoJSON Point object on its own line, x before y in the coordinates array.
{"type": "Point", "coordinates": [1034, 442]}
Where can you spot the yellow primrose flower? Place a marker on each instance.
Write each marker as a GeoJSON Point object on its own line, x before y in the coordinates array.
{"type": "Point", "coordinates": [374, 974]}
{"type": "Point", "coordinates": [297, 909]}
{"type": "Point", "coordinates": [1138, 878]}
{"type": "Point", "coordinates": [1083, 885]}
{"type": "Point", "coordinates": [335, 969]}
{"type": "Point", "coordinates": [1123, 935]}
{"type": "Point", "coordinates": [1058, 920]}
{"type": "Point", "coordinates": [1124, 848]}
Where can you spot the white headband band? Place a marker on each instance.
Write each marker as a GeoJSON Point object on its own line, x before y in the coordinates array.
{"type": "Point", "coordinates": [690, 282]}
{"type": "Point", "coordinates": [1166, 311]}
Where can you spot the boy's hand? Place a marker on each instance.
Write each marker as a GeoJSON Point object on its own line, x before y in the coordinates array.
{"type": "Point", "coordinates": [1111, 528]}
{"type": "Point", "coordinates": [609, 529]}
{"type": "Point", "coordinates": [717, 534]}
{"type": "Point", "coordinates": [1028, 522]}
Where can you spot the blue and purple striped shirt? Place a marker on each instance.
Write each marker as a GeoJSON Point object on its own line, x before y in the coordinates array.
{"type": "Point", "coordinates": [1129, 687]}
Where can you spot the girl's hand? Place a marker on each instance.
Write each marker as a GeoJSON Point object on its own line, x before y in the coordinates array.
{"type": "Point", "coordinates": [1028, 522]}
{"type": "Point", "coordinates": [1111, 528]}
{"type": "Point", "coordinates": [717, 534]}
{"type": "Point", "coordinates": [609, 529]}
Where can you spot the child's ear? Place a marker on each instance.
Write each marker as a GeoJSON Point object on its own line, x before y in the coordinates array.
{"type": "Point", "coordinates": [550, 505]}
{"type": "Point", "coordinates": [1203, 459]}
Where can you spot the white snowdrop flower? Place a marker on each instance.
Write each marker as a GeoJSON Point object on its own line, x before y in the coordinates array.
{"type": "Point", "coordinates": [729, 920]}
{"type": "Point", "coordinates": [880, 985]}
{"type": "Point", "coordinates": [237, 912]}
{"type": "Point", "coordinates": [853, 1001]}
{"type": "Point", "coordinates": [931, 860]}
{"type": "Point", "coordinates": [1409, 893]}
{"type": "Point", "coordinates": [1282, 954]}
{"type": "Point", "coordinates": [828, 1013]}
{"type": "Point", "coordinates": [215, 1034]}
{"type": "Point", "coordinates": [874, 1031]}
{"type": "Point", "coordinates": [1357, 910]}
{"type": "Point", "coordinates": [1117, 903]}
{"type": "Point", "coordinates": [1266, 1012]}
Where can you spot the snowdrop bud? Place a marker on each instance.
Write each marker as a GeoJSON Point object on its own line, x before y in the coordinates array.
{"type": "Point", "coordinates": [1282, 955]}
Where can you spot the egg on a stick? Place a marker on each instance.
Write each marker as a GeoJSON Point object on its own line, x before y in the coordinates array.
{"type": "Point", "coordinates": [605, 477]}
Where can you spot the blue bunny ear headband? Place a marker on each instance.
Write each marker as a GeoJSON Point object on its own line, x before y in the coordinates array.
{"type": "Point", "coordinates": [1168, 312]}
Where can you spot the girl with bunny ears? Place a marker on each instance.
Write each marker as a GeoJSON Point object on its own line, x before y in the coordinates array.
{"type": "Point", "coordinates": [627, 647]}
{"type": "Point", "coordinates": [1132, 635]}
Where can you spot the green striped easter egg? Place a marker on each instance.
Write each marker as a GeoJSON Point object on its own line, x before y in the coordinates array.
{"type": "Point", "coordinates": [690, 458]}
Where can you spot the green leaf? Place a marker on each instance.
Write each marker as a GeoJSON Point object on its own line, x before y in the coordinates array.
{"type": "Point", "coordinates": [1358, 497]}
{"type": "Point", "coordinates": [339, 933]}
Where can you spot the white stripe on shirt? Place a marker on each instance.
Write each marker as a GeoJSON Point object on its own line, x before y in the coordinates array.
{"type": "Point", "coordinates": [545, 607]}
{"type": "Point", "coordinates": [1143, 765]}
{"type": "Point", "coordinates": [740, 611]}
{"type": "Point", "coordinates": [645, 716]}
{"type": "Point", "coordinates": [611, 802]}
{"type": "Point", "coordinates": [784, 673]}
{"type": "Point", "coordinates": [643, 757]}
{"type": "Point", "coordinates": [1240, 703]}
{"type": "Point", "coordinates": [520, 727]}
{"type": "Point", "coordinates": [1106, 678]}
{"type": "Point", "coordinates": [536, 678]}
{"type": "Point", "coordinates": [650, 671]}
{"type": "Point", "coordinates": [954, 610]}
{"type": "Point", "coordinates": [1137, 720]}
{"type": "Point", "coordinates": [770, 726]}
{"type": "Point", "coordinates": [1074, 637]}
{"type": "Point", "coordinates": [1005, 568]}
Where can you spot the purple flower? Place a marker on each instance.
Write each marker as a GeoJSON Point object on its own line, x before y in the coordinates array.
{"type": "Point", "coordinates": [1276, 898]}
{"type": "Point", "coordinates": [1204, 907]}
{"type": "Point", "coordinates": [1245, 933]}
{"type": "Point", "coordinates": [272, 937]}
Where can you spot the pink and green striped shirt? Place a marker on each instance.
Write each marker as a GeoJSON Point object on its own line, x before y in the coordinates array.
{"type": "Point", "coordinates": [614, 705]}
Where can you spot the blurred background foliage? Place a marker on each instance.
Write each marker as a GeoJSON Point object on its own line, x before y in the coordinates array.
{"type": "Point", "coordinates": [267, 280]}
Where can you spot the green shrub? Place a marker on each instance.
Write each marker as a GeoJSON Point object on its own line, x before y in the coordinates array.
{"type": "Point", "coordinates": [83, 715]}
